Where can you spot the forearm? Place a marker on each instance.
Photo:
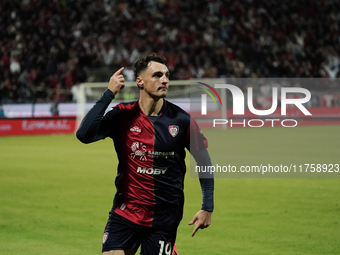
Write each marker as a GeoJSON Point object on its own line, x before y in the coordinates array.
{"type": "Point", "coordinates": [206, 181]}
{"type": "Point", "coordinates": [88, 130]}
{"type": "Point", "coordinates": [207, 186]}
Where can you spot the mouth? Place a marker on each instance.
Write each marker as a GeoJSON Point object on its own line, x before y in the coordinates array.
{"type": "Point", "coordinates": [163, 88]}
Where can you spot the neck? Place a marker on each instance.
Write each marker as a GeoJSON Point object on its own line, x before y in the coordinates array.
{"type": "Point", "coordinates": [150, 106]}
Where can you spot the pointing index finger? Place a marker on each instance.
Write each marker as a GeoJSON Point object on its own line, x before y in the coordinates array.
{"type": "Point", "coordinates": [195, 230]}
{"type": "Point", "coordinates": [119, 71]}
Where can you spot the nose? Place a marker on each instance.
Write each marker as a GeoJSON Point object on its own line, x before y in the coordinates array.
{"type": "Point", "coordinates": [164, 79]}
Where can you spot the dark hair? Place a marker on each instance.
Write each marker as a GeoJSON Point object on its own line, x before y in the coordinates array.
{"type": "Point", "coordinates": [142, 63]}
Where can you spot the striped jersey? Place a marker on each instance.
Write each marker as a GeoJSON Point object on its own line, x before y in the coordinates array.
{"type": "Point", "coordinates": [151, 155]}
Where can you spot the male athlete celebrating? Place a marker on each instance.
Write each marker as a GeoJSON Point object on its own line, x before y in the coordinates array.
{"type": "Point", "coordinates": [150, 137]}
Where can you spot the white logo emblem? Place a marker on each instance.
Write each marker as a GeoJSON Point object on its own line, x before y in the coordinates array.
{"type": "Point", "coordinates": [156, 171]}
{"type": "Point", "coordinates": [139, 150]}
{"type": "Point", "coordinates": [135, 129]}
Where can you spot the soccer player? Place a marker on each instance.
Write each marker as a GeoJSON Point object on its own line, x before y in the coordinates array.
{"type": "Point", "coordinates": [150, 137]}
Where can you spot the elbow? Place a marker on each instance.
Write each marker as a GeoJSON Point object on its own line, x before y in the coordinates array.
{"type": "Point", "coordinates": [81, 136]}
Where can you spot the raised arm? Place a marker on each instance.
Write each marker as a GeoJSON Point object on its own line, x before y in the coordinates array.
{"type": "Point", "coordinates": [89, 129]}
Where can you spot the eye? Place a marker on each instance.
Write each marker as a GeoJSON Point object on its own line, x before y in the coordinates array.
{"type": "Point", "coordinates": [158, 74]}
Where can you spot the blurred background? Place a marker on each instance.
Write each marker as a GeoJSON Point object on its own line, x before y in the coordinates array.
{"type": "Point", "coordinates": [47, 48]}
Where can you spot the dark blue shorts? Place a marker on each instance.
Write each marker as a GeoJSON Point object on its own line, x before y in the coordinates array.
{"type": "Point", "coordinates": [122, 234]}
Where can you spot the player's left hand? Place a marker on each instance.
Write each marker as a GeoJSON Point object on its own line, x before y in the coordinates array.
{"type": "Point", "coordinates": [202, 219]}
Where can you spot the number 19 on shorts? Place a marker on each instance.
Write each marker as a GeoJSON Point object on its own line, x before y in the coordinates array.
{"type": "Point", "coordinates": [166, 248]}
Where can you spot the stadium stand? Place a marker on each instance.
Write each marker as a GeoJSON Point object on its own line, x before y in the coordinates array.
{"type": "Point", "coordinates": [47, 47]}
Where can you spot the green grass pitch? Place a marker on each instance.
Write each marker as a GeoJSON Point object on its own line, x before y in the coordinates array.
{"type": "Point", "coordinates": [55, 195]}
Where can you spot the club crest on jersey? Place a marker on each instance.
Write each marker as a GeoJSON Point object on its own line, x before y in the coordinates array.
{"type": "Point", "coordinates": [173, 130]}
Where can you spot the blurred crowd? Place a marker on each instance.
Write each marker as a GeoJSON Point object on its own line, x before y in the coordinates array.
{"type": "Point", "coordinates": [48, 47]}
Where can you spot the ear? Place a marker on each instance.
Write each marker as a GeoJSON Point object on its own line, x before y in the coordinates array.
{"type": "Point", "coordinates": [140, 82]}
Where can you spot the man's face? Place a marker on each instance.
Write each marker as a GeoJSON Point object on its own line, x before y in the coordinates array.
{"type": "Point", "coordinates": [155, 80]}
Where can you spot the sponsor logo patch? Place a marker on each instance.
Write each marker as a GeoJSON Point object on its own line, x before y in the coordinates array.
{"type": "Point", "coordinates": [155, 171]}
{"type": "Point", "coordinates": [139, 151]}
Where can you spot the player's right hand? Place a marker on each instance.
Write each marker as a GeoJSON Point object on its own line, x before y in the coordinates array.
{"type": "Point", "coordinates": [117, 81]}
